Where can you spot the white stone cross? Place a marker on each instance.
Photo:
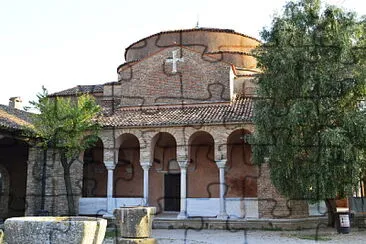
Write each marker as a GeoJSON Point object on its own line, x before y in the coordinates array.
{"type": "Point", "coordinates": [174, 61]}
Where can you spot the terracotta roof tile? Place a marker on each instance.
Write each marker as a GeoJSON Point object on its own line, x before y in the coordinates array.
{"type": "Point", "coordinates": [79, 89]}
{"type": "Point", "coordinates": [13, 119]}
{"type": "Point", "coordinates": [240, 110]}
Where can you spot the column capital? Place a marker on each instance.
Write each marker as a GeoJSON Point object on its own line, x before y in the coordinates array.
{"type": "Point", "coordinates": [145, 165]}
{"type": "Point", "coordinates": [109, 165]}
{"type": "Point", "coordinates": [183, 164]}
{"type": "Point", "coordinates": [221, 163]}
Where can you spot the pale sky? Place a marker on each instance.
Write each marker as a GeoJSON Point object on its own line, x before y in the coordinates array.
{"type": "Point", "coordinates": [64, 43]}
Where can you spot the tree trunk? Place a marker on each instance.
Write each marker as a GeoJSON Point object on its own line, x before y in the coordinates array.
{"type": "Point", "coordinates": [332, 208]}
{"type": "Point", "coordinates": [68, 185]}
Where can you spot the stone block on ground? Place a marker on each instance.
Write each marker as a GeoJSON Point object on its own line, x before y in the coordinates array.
{"type": "Point", "coordinates": [134, 222]}
{"type": "Point", "coordinates": [55, 230]}
{"type": "Point", "coordinates": [122, 240]}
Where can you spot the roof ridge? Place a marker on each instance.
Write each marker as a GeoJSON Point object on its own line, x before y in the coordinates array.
{"type": "Point", "coordinates": [78, 89]}
{"type": "Point", "coordinates": [174, 106]}
{"type": "Point", "coordinates": [232, 52]}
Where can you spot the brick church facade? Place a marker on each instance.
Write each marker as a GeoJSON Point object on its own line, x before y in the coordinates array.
{"type": "Point", "coordinates": [174, 135]}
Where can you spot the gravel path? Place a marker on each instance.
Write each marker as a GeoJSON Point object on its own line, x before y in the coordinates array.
{"type": "Point", "coordinates": [254, 236]}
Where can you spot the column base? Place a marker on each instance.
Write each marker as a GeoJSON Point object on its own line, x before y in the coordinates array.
{"type": "Point", "coordinates": [182, 215]}
{"type": "Point", "coordinates": [222, 216]}
{"type": "Point", "coordinates": [145, 203]}
{"type": "Point", "coordinates": [108, 216]}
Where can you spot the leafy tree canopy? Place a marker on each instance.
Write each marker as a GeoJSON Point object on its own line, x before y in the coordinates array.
{"type": "Point", "coordinates": [309, 122]}
{"type": "Point", "coordinates": [65, 123]}
{"type": "Point", "coordinates": [67, 126]}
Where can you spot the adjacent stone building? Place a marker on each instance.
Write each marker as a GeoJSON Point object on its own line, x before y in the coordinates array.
{"type": "Point", "coordinates": [174, 135]}
{"type": "Point", "coordinates": [14, 152]}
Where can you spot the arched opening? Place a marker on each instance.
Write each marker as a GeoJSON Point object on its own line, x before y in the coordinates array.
{"type": "Point", "coordinates": [241, 175]}
{"type": "Point", "coordinates": [164, 174]}
{"type": "Point", "coordinates": [128, 174]}
{"type": "Point", "coordinates": [202, 172]}
{"type": "Point", "coordinates": [13, 170]}
{"type": "Point", "coordinates": [94, 172]}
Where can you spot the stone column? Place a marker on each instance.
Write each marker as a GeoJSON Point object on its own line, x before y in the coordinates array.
{"type": "Point", "coordinates": [221, 165]}
{"type": "Point", "coordinates": [183, 189]}
{"type": "Point", "coordinates": [146, 166]}
{"type": "Point", "coordinates": [110, 206]}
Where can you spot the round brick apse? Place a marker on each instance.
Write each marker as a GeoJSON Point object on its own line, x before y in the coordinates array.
{"type": "Point", "coordinates": [222, 44]}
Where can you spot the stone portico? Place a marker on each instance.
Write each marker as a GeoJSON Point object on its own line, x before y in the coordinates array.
{"type": "Point", "coordinates": [223, 196]}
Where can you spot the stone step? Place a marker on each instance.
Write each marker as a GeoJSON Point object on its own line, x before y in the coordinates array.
{"type": "Point", "coordinates": [267, 224]}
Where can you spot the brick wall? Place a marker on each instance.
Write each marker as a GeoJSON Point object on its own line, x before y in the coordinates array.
{"type": "Point", "coordinates": [55, 194]}
{"type": "Point", "coordinates": [198, 79]}
{"type": "Point", "coordinates": [200, 39]}
{"type": "Point", "coordinates": [34, 182]}
{"type": "Point", "coordinates": [272, 204]}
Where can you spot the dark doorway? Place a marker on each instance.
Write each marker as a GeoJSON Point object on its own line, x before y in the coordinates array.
{"type": "Point", "coordinates": [172, 192]}
{"type": "Point", "coordinates": [13, 169]}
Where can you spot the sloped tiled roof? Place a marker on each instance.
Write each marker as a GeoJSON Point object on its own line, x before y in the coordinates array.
{"type": "Point", "coordinates": [14, 119]}
{"type": "Point", "coordinates": [240, 110]}
{"type": "Point", "coordinates": [79, 89]}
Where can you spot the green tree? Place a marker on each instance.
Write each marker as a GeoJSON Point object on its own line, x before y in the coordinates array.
{"type": "Point", "coordinates": [309, 122]}
{"type": "Point", "coordinates": [68, 126]}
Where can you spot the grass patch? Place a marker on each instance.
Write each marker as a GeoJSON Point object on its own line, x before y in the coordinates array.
{"type": "Point", "coordinates": [271, 228]}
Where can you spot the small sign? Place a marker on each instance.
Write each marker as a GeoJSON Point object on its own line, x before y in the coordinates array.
{"type": "Point", "coordinates": [344, 220]}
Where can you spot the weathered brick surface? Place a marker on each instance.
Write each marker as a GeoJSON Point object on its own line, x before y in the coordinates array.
{"type": "Point", "coordinates": [151, 80]}
{"type": "Point", "coordinates": [34, 181]}
{"type": "Point", "coordinates": [227, 43]}
{"type": "Point", "coordinates": [272, 204]}
{"type": "Point", "coordinates": [55, 192]}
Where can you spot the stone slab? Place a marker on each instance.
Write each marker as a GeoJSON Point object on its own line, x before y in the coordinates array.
{"type": "Point", "coordinates": [235, 207]}
{"type": "Point", "coordinates": [55, 230]}
{"type": "Point", "coordinates": [98, 205]}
